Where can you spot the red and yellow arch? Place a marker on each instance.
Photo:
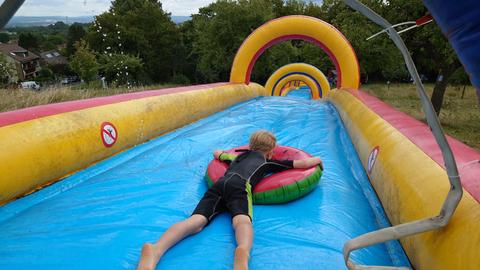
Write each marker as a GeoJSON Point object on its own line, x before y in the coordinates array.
{"type": "Point", "coordinates": [308, 74]}
{"type": "Point", "coordinates": [282, 88]}
{"type": "Point", "coordinates": [305, 28]}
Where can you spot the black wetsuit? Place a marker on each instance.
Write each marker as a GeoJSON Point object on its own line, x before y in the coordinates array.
{"type": "Point", "coordinates": [233, 191]}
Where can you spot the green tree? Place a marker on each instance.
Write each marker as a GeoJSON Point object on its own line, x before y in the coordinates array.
{"type": "Point", "coordinates": [429, 48]}
{"type": "Point", "coordinates": [435, 55]}
{"type": "Point", "coordinates": [56, 39]}
{"type": "Point", "coordinates": [29, 41]}
{"type": "Point", "coordinates": [188, 59]}
{"type": "Point", "coordinates": [274, 58]}
{"type": "Point", "coordinates": [220, 29]}
{"type": "Point", "coordinates": [61, 70]}
{"type": "Point", "coordinates": [41, 38]}
{"type": "Point", "coordinates": [138, 27]}
{"type": "Point", "coordinates": [51, 42]}
{"type": "Point", "coordinates": [47, 45]}
{"type": "Point", "coordinates": [58, 27]}
{"type": "Point", "coordinates": [460, 77]}
{"type": "Point", "coordinates": [121, 69]}
{"type": "Point", "coordinates": [4, 37]}
{"type": "Point", "coordinates": [45, 75]}
{"type": "Point", "coordinates": [6, 70]}
{"type": "Point", "coordinates": [84, 62]}
{"type": "Point", "coordinates": [380, 59]}
{"type": "Point", "coordinates": [76, 32]}
{"type": "Point", "coordinates": [313, 55]}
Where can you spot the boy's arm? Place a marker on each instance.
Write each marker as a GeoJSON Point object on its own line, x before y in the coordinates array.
{"type": "Point", "coordinates": [217, 153]}
{"type": "Point", "coordinates": [223, 156]}
{"type": "Point", "coordinates": [307, 163]}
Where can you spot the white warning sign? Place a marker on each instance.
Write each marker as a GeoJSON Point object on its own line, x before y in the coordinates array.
{"type": "Point", "coordinates": [109, 134]}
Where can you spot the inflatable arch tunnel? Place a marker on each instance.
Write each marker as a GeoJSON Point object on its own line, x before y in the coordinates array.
{"type": "Point", "coordinates": [298, 73]}
{"type": "Point", "coordinates": [131, 165]}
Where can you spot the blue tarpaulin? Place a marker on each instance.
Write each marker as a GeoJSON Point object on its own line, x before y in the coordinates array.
{"type": "Point", "coordinates": [100, 217]}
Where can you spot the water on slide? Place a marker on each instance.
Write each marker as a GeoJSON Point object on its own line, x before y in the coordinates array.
{"type": "Point", "coordinates": [100, 217]}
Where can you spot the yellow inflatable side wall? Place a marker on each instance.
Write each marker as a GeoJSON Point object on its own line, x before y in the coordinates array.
{"type": "Point", "coordinates": [37, 152]}
{"type": "Point", "coordinates": [412, 186]}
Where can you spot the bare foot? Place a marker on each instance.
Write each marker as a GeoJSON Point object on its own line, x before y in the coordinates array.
{"type": "Point", "coordinates": [148, 260]}
{"type": "Point", "coordinates": [241, 259]}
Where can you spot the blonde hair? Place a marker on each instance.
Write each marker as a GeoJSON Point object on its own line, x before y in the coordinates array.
{"type": "Point", "coordinates": [263, 141]}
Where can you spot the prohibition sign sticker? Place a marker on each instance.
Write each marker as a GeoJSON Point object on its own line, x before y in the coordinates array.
{"type": "Point", "coordinates": [108, 134]}
{"type": "Point", "coordinates": [372, 158]}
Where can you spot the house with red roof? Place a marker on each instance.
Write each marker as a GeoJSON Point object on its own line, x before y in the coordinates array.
{"type": "Point", "coordinates": [25, 64]}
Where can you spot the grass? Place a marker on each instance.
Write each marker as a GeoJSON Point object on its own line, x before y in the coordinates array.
{"type": "Point", "coordinates": [460, 117]}
{"type": "Point", "coordinates": [14, 99]}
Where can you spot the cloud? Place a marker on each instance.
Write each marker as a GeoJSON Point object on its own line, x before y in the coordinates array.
{"type": "Point", "coordinates": [95, 7]}
{"type": "Point", "coordinates": [184, 7]}
{"type": "Point", "coordinates": [63, 8]}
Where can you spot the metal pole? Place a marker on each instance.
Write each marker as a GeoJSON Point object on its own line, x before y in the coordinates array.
{"type": "Point", "coordinates": [393, 26]}
{"type": "Point", "coordinates": [455, 193]}
{"type": "Point", "coordinates": [8, 9]}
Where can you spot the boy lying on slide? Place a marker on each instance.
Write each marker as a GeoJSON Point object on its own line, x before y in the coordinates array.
{"type": "Point", "coordinates": [231, 193]}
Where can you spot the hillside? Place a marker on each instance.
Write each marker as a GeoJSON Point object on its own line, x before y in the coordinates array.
{"type": "Point", "coordinates": [26, 21]}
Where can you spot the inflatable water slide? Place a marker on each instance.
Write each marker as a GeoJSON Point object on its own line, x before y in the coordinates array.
{"type": "Point", "coordinates": [85, 183]}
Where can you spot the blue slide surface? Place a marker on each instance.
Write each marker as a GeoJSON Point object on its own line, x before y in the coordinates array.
{"type": "Point", "coordinates": [100, 217]}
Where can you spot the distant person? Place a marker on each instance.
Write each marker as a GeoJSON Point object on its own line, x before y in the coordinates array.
{"type": "Point", "coordinates": [231, 193]}
{"type": "Point", "coordinates": [332, 77]}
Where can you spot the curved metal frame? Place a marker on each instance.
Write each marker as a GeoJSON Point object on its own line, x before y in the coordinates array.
{"type": "Point", "coordinates": [455, 193]}
{"type": "Point", "coordinates": [8, 9]}
{"type": "Point", "coordinates": [393, 26]}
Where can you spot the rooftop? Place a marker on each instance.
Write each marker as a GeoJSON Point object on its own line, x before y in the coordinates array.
{"type": "Point", "coordinates": [53, 57]}
{"type": "Point", "coordinates": [18, 53]}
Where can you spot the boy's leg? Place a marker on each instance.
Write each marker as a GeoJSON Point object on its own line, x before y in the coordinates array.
{"type": "Point", "coordinates": [210, 205]}
{"type": "Point", "coordinates": [244, 235]}
{"type": "Point", "coordinates": [239, 204]}
{"type": "Point", "coordinates": [151, 253]}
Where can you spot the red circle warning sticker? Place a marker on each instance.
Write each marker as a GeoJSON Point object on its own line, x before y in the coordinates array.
{"type": "Point", "coordinates": [109, 134]}
{"type": "Point", "coordinates": [372, 158]}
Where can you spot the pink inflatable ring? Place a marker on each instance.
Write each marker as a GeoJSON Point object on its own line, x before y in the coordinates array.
{"type": "Point", "coordinates": [279, 187]}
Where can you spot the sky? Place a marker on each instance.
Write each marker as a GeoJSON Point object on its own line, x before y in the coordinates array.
{"type": "Point", "coordinates": [74, 8]}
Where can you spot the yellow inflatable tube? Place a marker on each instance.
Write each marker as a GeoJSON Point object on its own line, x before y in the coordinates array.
{"type": "Point", "coordinates": [298, 27]}
{"type": "Point", "coordinates": [411, 186]}
{"type": "Point", "coordinates": [40, 151]}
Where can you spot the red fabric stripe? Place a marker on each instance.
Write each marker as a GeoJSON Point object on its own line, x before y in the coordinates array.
{"type": "Point", "coordinates": [467, 158]}
{"type": "Point", "coordinates": [13, 117]}
{"type": "Point", "coordinates": [425, 19]}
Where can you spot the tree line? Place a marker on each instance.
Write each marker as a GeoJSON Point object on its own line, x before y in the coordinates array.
{"type": "Point", "coordinates": [136, 42]}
